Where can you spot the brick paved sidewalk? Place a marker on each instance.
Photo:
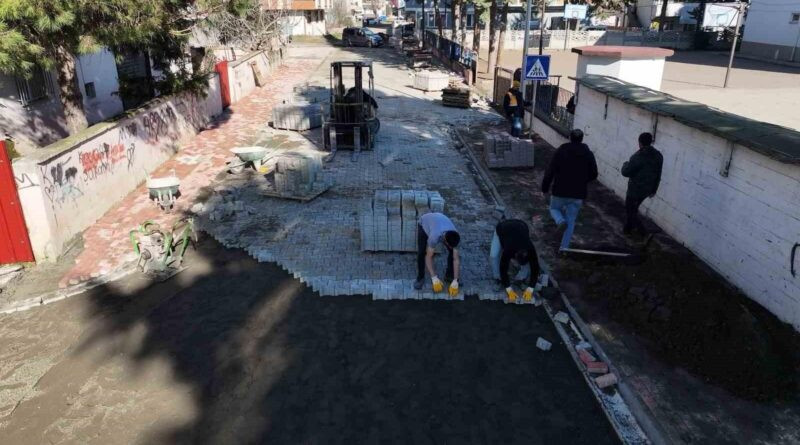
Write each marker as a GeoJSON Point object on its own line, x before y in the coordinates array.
{"type": "Point", "coordinates": [106, 243]}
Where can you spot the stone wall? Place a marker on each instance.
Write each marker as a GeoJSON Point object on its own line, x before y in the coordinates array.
{"type": "Point", "coordinates": [65, 187]}
{"type": "Point", "coordinates": [736, 209]}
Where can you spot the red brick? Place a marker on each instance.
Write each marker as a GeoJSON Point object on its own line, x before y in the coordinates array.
{"type": "Point", "coordinates": [586, 356]}
{"type": "Point", "coordinates": [597, 368]}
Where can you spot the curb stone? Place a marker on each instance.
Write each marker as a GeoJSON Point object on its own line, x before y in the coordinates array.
{"type": "Point", "coordinates": [633, 423]}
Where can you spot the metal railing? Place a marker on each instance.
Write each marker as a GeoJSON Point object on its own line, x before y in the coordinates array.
{"type": "Point", "coordinates": [453, 51]}
{"type": "Point", "coordinates": [555, 106]}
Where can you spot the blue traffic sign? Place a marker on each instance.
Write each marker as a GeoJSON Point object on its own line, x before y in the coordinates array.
{"type": "Point", "coordinates": [537, 67]}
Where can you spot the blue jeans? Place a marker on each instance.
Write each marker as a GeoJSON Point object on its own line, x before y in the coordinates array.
{"type": "Point", "coordinates": [565, 210]}
{"type": "Point", "coordinates": [516, 126]}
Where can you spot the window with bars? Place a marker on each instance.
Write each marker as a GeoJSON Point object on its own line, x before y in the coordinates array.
{"type": "Point", "coordinates": [795, 17]}
{"type": "Point", "coordinates": [37, 86]}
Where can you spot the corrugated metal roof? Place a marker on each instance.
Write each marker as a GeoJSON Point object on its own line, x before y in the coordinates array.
{"type": "Point", "coordinates": [777, 142]}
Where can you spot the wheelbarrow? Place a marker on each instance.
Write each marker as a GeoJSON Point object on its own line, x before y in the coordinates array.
{"type": "Point", "coordinates": [164, 191]}
{"type": "Point", "coordinates": [255, 155]}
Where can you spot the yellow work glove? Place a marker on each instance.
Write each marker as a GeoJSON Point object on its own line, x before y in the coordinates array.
{"type": "Point", "coordinates": [528, 294]}
{"type": "Point", "coordinates": [512, 296]}
{"type": "Point", "coordinates": [453, 288]}
{"type": "Point", "coordinates": [438, 286]}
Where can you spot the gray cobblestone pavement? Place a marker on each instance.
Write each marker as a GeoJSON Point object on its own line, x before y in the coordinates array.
{"type": "Point", "coordinates": [319, 242]}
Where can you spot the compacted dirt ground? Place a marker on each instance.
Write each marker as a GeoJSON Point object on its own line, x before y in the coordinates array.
{"type": "Point", "coordinates": [234, 351]}
{"type": "Point", "coordinates": [665, 316]}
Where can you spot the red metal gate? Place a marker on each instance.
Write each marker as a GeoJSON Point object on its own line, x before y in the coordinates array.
{"type": "Point", "coordinates": [15, 246]}
{"type": "Point", "coordinates": [225, 90]}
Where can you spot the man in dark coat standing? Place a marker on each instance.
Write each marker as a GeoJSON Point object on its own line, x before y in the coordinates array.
{"type": "Point", "coordinates": [643, 171]}
{"type": "Point", "coordinates": [572, 168]}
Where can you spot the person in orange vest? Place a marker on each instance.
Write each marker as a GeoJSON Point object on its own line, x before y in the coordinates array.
{"type": "Point", "coordinates": [514, 107]}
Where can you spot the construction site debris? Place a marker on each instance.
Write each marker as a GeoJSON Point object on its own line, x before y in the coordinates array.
{"type": "Point", "coordinates": [597, 368]}
{"type": "Point", "coordinates": [586, 356]}
{"type": "Point", "coordinates": [543, 344]}
{"type": "Point", "coordinates": [561, 317]}
{"type": "Point", "coordinates": [604, 381]}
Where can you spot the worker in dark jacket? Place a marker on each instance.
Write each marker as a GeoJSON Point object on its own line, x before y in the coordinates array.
{"type": "Point", "coordinates": [514, 106]}
{"type": "Point", "coordinates": [511, 242]}
{"type": "Point", "coordinates": [572, 168]}
{"type": "Point", "coordinates": [643, 171]}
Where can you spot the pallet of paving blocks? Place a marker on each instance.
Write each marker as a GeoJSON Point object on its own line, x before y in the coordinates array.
{"type": "Point", "coordinates": [456, 95]}
{"type": "Point", "coordinates": [298, 117]}
{"type": "Point", "coordinates": [501, 150]}
{"type": "Point", "coordinates": [389, 219]}
{"type": "Point", "coordinates": [297, 176]}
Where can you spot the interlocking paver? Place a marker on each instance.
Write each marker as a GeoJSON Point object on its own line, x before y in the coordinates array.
{"type": "Point", "coordinates": [106, 243]}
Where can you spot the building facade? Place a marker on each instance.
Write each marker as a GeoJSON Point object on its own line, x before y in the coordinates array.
{"type": "Point", "coordinates": [772, 30]}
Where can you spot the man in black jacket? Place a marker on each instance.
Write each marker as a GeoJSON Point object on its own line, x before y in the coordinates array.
{"type": "Point", "coordinates": [643, 171]}
{"type": "Point", "coordinates": [572, 168]}
{"type": "Point", "coordinates": [512, 242]}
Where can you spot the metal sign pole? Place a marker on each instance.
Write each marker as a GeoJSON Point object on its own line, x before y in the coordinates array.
{"type": "Point", "coordinates": [739, 11]}
{"type": "Point", "coordinates": [524, 72]}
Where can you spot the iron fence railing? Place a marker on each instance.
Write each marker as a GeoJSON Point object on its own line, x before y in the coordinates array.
{"type": "Point", "coordinates": [555, 106]}
{"type": "Point", "coordinates": [453, 51]}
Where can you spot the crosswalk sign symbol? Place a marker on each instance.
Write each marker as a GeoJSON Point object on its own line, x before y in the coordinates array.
{"type": "Point", "coordinates": [537, 67]}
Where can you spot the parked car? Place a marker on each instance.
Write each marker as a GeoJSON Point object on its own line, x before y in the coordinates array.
{"type": "Point", "coordinates": [371, 21]}
{"type": "Point", "coordinates": [361, 37]}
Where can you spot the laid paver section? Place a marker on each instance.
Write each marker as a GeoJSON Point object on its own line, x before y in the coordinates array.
{"type": "Point", "coordinates": [319, 242]}
{"type": "Point", "coordinates": [106, 242]}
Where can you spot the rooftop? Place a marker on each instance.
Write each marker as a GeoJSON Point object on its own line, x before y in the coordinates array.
{"type": "Point", "coordinates": [624, 52]}
{"type": "Point", "coordinates": [774, 141]}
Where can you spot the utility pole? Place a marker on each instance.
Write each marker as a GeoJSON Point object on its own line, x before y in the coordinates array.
{"type": "Point", "coordinates": [739, 13]}
{"type": "Point", "coordinates": [541, 27]}
{"type": "Point", "coordinates": [524, 60]}
{"type": "Point", "coordinates": [424, 19]}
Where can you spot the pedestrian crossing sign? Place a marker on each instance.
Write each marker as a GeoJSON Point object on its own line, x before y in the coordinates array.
{"type": "Point", "coordinates": [537, 67]}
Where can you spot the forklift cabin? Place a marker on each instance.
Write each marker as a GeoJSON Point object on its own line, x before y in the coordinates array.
{"type": "Point", "coordinates": [353, 119]}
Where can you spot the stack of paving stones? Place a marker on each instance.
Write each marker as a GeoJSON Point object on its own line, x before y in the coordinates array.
{"type": "Point", "coordinates": [318, 242]}
{"type": "Point", "coordinates": [389, 220]}
{"type": "Point", "coordinates": [456, 95]}
{"type": "Point", "coordinates": [501, 150]}
{"type": "Point", "coordinates": [297, 116]}
{"type": "Point", "coordinates": [297, 174]}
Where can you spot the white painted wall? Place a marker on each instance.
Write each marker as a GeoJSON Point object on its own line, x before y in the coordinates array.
{"type": "Point", "coordinates": [71, 184]}
{"type": "Point", "coordinates": [645, 72]}
{"type": "Point", "coordinates": [39, 123]}
{"type": "Point", "coordinates": [297, 23]}
{"type": "Point", "coordinates": [769, 22]}
{"type": "Point", "coordinates": [743, 225]}
{"type": "Point", "coordinates": [101, 69]}
{"type": "Point", "coordinates": [241, 77]}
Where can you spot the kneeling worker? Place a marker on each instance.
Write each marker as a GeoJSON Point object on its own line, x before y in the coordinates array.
{"type": "Point", "coordinates": [434, 228]}
{"type": "Point", "coordinates": [512, 241]}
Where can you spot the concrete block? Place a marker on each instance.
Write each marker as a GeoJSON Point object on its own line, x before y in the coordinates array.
{"type": "Point", "coordinates": [561, 317]}
{"type": "Point", "coordinates": [543, 344]}
{"type": "Point", "coordinates": [604, 381]}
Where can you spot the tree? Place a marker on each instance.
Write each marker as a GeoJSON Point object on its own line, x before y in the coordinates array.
{"type": "Point", "coordinates": [455, 6]}
{"type": "Point", "coordinates": [492, 62]}
{"type": "Point", "coordinates": [50, 33]}
{"type": "Point", "coordinates": [481, 17]}
{"type": "Point", "coordinates": [255, 28]}
{"type": "Point", "coordinates": [437, 17]}
{"type": "Point", "coordinates": [503, 28]}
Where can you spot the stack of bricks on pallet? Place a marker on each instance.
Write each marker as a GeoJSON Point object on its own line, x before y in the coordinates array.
{"type": "Point", "coordinates": [295, 174]}
{"type": "Point", "coordinates": [300, 116]}
{"type": "Point", "coordinates": [389, 221]}
{"type": "Point", "coordinates": [503, 150]}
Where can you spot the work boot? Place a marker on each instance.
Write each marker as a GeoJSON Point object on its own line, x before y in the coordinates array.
{"type": "Point", "coordinates": [419, 283]}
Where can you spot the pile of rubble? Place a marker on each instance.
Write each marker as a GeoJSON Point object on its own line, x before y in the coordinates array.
{"type": "Point", "coordinates": [456, 95]}
{"type": "Point", "coordinates": [389, 220]}
{"type": "Point", "coordinates": [501, 150]}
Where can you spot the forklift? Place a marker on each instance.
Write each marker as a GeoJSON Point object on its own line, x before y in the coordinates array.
{"type": "Point", "coordinates": [352, 121]}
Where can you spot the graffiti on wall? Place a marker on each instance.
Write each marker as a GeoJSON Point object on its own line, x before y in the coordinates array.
{"type": "Point", "coordinates": [66, 179]}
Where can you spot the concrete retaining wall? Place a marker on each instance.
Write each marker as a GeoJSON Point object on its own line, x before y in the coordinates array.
{"type": "Point", "coordinates": [743, 225]}
{"type": "Point", "coordinates": [242, 72]}
{"type": "Point", "coordinates": [67, 186]}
